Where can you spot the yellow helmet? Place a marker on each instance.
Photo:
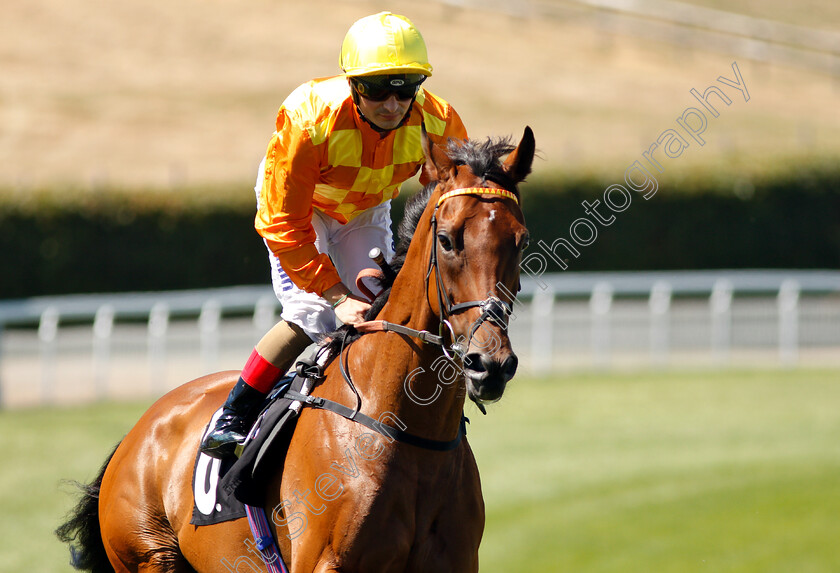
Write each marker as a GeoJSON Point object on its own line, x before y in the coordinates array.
{"type": "Point", "coordinates": [384, 43]}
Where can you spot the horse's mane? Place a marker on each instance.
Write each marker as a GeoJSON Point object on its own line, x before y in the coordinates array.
{"type": "Point", "coordinates": [484, 160]}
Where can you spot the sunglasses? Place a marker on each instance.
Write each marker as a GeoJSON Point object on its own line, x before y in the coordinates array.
{"type": "Point", "coordinates": [385, 87]}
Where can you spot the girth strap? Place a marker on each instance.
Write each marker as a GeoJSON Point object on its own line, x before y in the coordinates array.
{"type": "Point", "coordinates": [377, 426]}
{"type": "Point", "coordinates": [264, 539]}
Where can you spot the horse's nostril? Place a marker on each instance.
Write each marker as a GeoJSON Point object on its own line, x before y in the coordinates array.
{"type": "Point", "coordinates": [509, 366]}
{"type": "Point", "coordinates": [483, 366]}
{"type": "Point", "coordinates": [474, 362]}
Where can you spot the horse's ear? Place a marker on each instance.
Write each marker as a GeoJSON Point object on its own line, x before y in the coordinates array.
{"type": "Point", "coordinates": [437, 164]}
{"type": "Point", "coordinates": [518, 163]}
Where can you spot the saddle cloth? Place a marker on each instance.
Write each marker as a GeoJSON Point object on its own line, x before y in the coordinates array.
{"type": "Point", "coordinates": [221, 487]}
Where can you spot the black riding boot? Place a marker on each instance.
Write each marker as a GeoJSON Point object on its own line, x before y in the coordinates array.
{"type": "Point", "coordinates": [240, 411]}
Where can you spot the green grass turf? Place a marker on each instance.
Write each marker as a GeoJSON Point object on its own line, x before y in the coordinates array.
{"type": "Point", "coordinates": [664, 472]}
{"type": "Point", "coordinates": [44, 447]}
{"type": "Point", "coordinates": [717, 472]}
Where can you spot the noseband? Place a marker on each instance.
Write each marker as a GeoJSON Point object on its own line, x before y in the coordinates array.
{"type": "Point", "coordinates": [493, 309]}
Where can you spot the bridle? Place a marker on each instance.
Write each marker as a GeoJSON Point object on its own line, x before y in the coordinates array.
{"type": "Point", "coordinates": [493, 309]}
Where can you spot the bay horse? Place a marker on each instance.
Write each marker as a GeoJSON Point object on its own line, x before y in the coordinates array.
{"type": "Point", "coordinates": [350, 500]}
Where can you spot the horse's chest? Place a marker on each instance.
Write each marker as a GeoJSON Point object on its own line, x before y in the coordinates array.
{"type": "Point", "coordinates": [384, 509]}
{"type": "Point", "coordinates": [427, 525]}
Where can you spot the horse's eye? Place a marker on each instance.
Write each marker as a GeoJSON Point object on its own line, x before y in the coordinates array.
{"type": "Point", "coordinates": [525, 242]}
{"type": "Point", "coordinates": [444, 242]}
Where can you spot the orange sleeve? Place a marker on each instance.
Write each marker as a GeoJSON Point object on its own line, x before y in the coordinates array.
{"type": "Point", "coordinates": [454, 127]}
{"type": "Point", "coordinates": [284, 210]}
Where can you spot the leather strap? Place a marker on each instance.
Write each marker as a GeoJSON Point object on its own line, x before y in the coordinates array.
{"type": "Point", "coordinates": [360, 284]}
{"type": "Point", "coordinates": [385, 326]}
{"type": "Point", "coordinates": [377, 426]}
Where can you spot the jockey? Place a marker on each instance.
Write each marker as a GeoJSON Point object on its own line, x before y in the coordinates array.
{"type": "Point", "coordinates": [343, 145]}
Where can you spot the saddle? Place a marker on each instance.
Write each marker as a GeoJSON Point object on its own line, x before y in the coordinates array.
{"type": "Point", "coordinates": [222, 487]}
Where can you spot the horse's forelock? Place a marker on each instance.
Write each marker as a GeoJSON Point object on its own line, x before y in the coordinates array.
{"type": "Point", "coordinates": [484, 158]}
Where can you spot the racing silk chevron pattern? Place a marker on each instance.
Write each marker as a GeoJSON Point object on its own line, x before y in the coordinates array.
{"type": "Point", "coordinates": [324, 156]}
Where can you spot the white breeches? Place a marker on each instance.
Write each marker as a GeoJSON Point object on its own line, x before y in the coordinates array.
{"type": "Point", "coordinates": [348, 246]}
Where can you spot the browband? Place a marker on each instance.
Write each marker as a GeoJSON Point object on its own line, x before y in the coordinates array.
{"type": "Point", "coordinates": [477, 191]}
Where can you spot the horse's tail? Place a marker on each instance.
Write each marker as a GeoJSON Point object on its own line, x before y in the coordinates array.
{"type": "Point", "coordinates": [81, 530]}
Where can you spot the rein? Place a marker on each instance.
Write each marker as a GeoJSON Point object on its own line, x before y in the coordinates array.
{"type": "Point", "coordinates": [309, 369]}
{"type": "Point", "coordinates": [385, 326]}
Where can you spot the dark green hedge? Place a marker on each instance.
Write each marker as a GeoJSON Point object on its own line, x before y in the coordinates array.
{"type": "Point", "coordinates": [81, 241]}
{"type": "Point", "coordinates": [116, 244]}
{"type": "Point", "coordinates": [791, 222]}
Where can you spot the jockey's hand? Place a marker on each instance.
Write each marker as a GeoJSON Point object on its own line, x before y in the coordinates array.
{"type": "Point", "coordinates": [351, 310]}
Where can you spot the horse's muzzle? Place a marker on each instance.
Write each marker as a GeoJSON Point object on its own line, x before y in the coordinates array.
{"type": "Point", "coordinates": [487, 376]}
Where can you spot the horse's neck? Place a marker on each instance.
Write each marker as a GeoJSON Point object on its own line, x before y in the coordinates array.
{"type": "Point", "coordinates": [409, 377]}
